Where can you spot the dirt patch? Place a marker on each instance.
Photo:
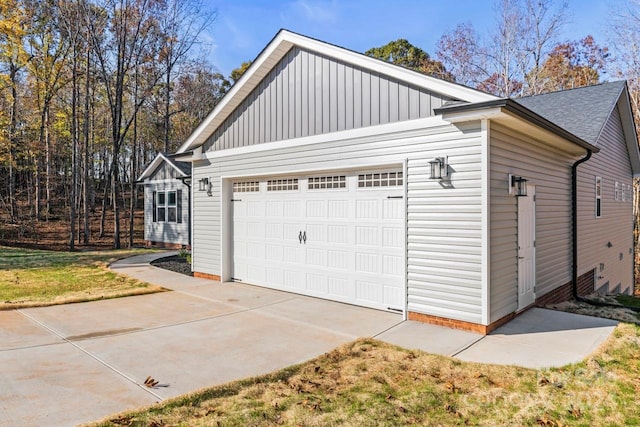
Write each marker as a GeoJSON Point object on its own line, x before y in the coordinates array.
{"type": "Point", "coordinates": [174, 263]}
{"type": "Point", "coordinates": [615, 312]}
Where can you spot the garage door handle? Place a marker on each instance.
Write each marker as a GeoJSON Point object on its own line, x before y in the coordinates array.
{"type": "Point", "coordinates": [304, 237]}
{"type": "Point", "coordinates": [300, 237]}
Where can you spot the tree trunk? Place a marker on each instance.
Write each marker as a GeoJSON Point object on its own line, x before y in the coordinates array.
{"type": "Point", "coordinates": [167, 119]}
{"type": "Point", "coordinates": [74, 151]}
{"type": "Point", "coordinates": [85, 187]}
{"type": "Point", "coordinates": [116, 209]}
{"type": "Point", "coordinates": [47, 142]}
{"type": "Point", "coordinates": [13, 143]}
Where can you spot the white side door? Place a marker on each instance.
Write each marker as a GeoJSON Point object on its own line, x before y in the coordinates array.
{"type": "Point", "coordinates": [527, 248]}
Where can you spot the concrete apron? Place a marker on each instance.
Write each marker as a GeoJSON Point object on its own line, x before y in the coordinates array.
{"type": "Point", "coordinates": [69, 364]}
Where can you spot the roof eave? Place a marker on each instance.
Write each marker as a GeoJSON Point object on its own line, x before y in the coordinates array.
{"type": "Point", "coordinates": [511, 106]}
{"type": "Point", "coordinates": [154, 165]}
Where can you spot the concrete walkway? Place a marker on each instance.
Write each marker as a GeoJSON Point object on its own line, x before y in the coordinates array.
{"type": "Point", "coordinates": [75, 363]}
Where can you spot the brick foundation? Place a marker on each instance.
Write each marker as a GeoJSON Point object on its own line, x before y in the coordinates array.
{"type": "Point", "coordinates": [564, 293]}
{"type": "Point", "coordinates": [460, 324]}
{"type": "Point", "coordinates": [166, 245]}
{"type": "Point", "coordinates": [206, 276]}
{"type": "Point", "coordinates": [561, 294]}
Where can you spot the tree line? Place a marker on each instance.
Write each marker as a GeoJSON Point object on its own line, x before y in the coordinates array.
{"type": "Point", "coordinates": [93, 89]}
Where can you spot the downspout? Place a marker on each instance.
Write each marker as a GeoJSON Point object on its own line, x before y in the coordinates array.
{"type": "Point", "coordinates": [184, 181]}
{"type": "Point", "coordinates": [574, 223]}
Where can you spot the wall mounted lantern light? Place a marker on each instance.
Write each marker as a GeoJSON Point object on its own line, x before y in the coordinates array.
{"type": "Point", "coordinates": [438, 168]}
{"type": "Point", "coordinates": [203, 184]}
{"type": "Point", "coordinates": [517, 186]}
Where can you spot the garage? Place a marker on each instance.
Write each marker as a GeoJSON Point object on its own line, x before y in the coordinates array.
{"type": "Point", "coordinates": [338, 235]}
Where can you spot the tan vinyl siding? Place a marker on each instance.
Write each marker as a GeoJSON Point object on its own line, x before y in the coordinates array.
{"type": "Point", "coordinates": [444, 224]}
{"type": "Point", "coordinates": [550, 171]}
{"type": "Point", "coordinates": [309, 94]}
{"type": "Point", "coordinates": [616, 223]}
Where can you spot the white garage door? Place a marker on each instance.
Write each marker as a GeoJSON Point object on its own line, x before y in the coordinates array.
{"type": "Point", "coordinates": [337, 236]}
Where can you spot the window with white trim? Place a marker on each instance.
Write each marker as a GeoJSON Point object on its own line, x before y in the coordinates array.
{"type": "Point", "coordinates": [380, 179]}
{"type": "Point", "coordinates": [167, 206]}
{"type": "Point", "coordinates": [616, 191]}
{"type": "Point", "coordinates": [246, 187]}
{"type": "Point", "coordinates": [598, 197]}
{"type": "Point", "coordinates": [326, 182]}
{"type": "Point", "coordinates": [282, 184]}
{"type": "Point", "coordinates": [623, 192]}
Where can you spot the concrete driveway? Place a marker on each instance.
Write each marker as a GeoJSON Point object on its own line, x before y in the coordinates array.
{"type": "Point", "coordinates": [76, 363]}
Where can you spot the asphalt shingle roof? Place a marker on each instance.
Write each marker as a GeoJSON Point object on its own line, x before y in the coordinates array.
{"type": "Point", "coordinates": [185, 167]}
{"type": "Point", "coordinates": [581, 111]}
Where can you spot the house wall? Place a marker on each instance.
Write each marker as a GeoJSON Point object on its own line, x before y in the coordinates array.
{"type": "Point", "coordinates": [166, 232]}
{"type": "Point", "coordinates": [616, 223]}
{"type": "Point", "coordinates": [444, 238]}
{"type": "Point", "coordinates": [549, 170]}
{"type": "Point", "coordinates": [307, 93]}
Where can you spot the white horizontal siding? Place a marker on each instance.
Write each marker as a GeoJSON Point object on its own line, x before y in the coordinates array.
{"type": "Point", "coordinates": [444, 239]}
{"type": "Point", "coordinates": [166, 232]}
{"type": "Point", "coordinates": [550, 171]}
{"type": "Point", "coordinates": [616, 223]}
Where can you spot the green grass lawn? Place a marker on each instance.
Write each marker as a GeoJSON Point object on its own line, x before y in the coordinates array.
{"type": "Point", "coordinates": [31, 278]}
{"type": "Point", "coordinates": [370, 383]}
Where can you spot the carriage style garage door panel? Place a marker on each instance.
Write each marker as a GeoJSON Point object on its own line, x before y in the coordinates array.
{"type": "Point", "coordinates": [337, 236]}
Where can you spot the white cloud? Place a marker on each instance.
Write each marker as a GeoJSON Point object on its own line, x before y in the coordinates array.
{"type": "Point", "coordinates": [315, 12]}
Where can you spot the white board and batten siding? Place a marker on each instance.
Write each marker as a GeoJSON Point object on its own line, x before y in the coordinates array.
{"type": "Point", "coordinates": [444, 224]}
{"type": "Point", "coordinates": [615, 225]}
{"type": "Point", "coordinates": [307, 93]}
{"type": "Point", "coordinates": [549, 170]}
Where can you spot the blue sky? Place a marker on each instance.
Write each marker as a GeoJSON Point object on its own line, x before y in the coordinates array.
{"type": "Point", "coordinates": [244, 27]}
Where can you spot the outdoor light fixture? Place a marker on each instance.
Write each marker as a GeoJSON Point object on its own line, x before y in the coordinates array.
{"type": "Point", "coordinates": [517, 185]}
{"type": "Point", "coordinates": [203, 184]}
{"type": "Point", "coordinates": [438, 168]}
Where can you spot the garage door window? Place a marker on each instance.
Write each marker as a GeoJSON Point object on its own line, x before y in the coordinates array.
{"type": "Point", "coordinates": [246, 187]}
{"type": "Point", "coordinates": [282, 184]}
{"type": "Point", "coordinates": [327, 182]}
{"type": "Point", "coordinates": [381, 179]}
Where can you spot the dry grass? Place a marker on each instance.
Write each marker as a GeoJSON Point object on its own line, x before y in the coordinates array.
{"type": "Point", "coordinates": [617, 313]}
{"type": "Point", "coordinates": [31, 278]}
{"type": "Point", "coordinates": [367, 383]}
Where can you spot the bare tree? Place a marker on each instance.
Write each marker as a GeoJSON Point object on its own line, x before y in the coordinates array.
{"type": "Point", "coordinates": [543, 23]}
{"type": "Point", "coordinates": [132, 38]}
{"type": "Point", "coordinates": [181, 25]}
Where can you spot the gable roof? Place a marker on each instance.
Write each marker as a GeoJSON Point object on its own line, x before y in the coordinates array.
{"type": "Point", "coordinates": [582, 111]}
{"type": "Point", "coordinates": [585, 111]}
{"type": "Point", "coordinates": [183, 168]}
{"type": "Point", "coordinates": [281, 44]}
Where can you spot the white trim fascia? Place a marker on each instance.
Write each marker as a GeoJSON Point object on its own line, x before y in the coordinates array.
{"type": "Point", "coordinates": [467, 116]}
{"type": "Point", "coordinates": [405, 236]}
{"type": "Point", "coordinates": [629, 129]}
{"type": "Point", "coordinates": [164, 181]}
{"type": "Point", "coordinates": [485, 165]}
{"type": "Point", "coordinates": [278, 48]}
{"type": "Point", "coordinates": [378, 130]}
{"type": "Point", "coordinates": [154, 165]}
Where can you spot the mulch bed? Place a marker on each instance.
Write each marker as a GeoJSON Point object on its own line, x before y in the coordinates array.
{"type": "Point", "coordinates": [174, 263]}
